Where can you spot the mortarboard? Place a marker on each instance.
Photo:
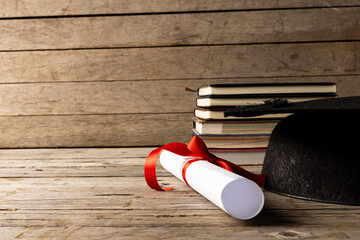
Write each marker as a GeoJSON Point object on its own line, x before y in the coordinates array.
{"type": "Point", "coordinates": [312, 154]}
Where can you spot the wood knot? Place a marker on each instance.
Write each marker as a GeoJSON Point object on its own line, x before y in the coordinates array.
{"type": "Point", "coordinates": [287, 235]}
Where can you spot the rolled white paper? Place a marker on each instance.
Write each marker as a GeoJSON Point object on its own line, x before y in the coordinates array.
{"type": "Point", "coordinates": [236, 195]}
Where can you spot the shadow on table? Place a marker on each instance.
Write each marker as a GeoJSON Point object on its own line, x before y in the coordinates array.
{"type": "Point", "coordinates": [273, 217]}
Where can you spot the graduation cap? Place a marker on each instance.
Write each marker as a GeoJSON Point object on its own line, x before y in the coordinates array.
{"type": "Point", "coordinates": [314, 153]}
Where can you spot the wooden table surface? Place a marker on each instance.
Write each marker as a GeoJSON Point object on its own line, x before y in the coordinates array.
{"type": "Point", "coordinates": [93, 193]}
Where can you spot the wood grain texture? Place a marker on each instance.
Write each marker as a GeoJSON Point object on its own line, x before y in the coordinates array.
{"type": "Point", "coordinates": [118, 97]}
{"type": "Point", "coordinates": [29, 8]}
{"type": "Point", "coordinates": [265, 60]}
{"type": "Point", "coordinates": [93, 204]}
{"type": "Point", "coordinates": [57, 90]}
{"type": "Point", "coordinates": [320, 24]}
{"type": "Point", "coordinates": [120, 113]}
{"type": "Point", "coordinates": [80, 162]}
{"type": "Point", "coordinates": [95, 130]}
{"type": "Point", "coordinates": [193, 232]}
{"type": "Point", "coordinates": [112, 73]}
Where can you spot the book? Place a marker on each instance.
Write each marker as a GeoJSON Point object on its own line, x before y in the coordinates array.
{"type": "Point", "coordinates": [267, 88]}
{"type": "Point", "coordinates": [241, 156]}
{"type": "Point", "coordinates": [236, 133]}
{"type": "Point", "coordinates": [216, 101]}
{"type": "Point", "coordinates": [218, 114]}
{"type": "Point", "coordinates": [264, 126]}
{"type": "Point", "coordinates": [234, 141]}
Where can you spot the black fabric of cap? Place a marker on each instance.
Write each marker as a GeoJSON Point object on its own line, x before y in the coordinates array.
{"type": "Point", "coordinates": [314, 153]}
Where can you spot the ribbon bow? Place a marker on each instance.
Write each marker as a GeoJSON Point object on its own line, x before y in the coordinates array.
{"type": "Point", "coordinates": [197, 149]}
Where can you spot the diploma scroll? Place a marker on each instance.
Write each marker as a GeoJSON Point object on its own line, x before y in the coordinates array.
{"type": "Point", "coordinates": [236, 195]}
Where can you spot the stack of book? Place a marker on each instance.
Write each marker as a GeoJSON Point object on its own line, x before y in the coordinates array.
{"type": "Point", "coordinates": [226, 137]}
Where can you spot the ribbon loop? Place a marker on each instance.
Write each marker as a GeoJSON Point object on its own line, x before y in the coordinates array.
{"type": "Point", "coordinates": [197, 149]}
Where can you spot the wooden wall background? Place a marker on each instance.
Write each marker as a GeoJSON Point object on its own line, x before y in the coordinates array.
{"type": "Point", "coordinates": [79, 73]}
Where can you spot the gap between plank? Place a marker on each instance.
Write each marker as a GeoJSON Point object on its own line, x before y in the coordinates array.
{"type": "Point", "coordinates": [179, 46]}
{"type": "Point", "coordinates": [173, 13]}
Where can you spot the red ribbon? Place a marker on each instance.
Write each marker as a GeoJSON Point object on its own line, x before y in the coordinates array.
{"type": "Point", "coordinates": [197, 149]}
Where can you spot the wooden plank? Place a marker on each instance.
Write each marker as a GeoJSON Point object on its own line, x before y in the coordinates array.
{"type": "Point", "coordinates": [89, 169]}
{"type": "Point", "coordinates": [121, 198]}
{"type": "Point", "coordinates": [127, 96]}
{"type": "Point", "coordinates": [29, 8]}
{"type": "Point", "coordinates": [131, 129]}
{"type": "Point", "coordinates": [125, 194]}
{"type": "Point", "coordinates": [79, 162]}
{"type": "Point", "coordinates": [125, 208]}
{"type": "Point", "coordinates": [70, 154]}
{"type": "Point", "coordinates": [183, 218]}
{"type": "Point", "coordinates": [95, 130]}
{"type": "Point", "coordinates": [264, 60]}
{"type": "Point", "coordinates": [121, 202]}
{"type": "Point", "coordinates": [249, 231]}
{"type": "Point", "coordinates": [181, 29]}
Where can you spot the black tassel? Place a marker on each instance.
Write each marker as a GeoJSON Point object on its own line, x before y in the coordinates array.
{"type": "Point", "coordinates": [240, 111]}
{"type": "Point", "coordinates": [277, 102]}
